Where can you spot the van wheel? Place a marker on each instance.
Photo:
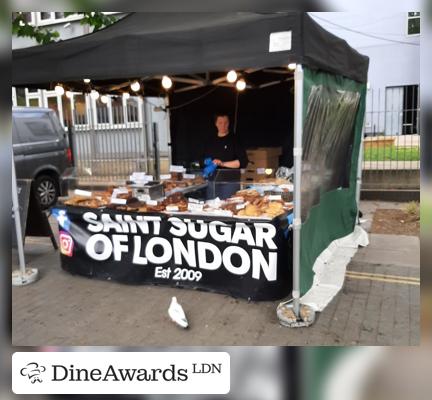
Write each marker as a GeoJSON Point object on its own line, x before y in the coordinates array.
{"type": "Point", "coordinates": [46, 190]}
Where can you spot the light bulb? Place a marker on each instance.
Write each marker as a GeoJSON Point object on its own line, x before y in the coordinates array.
{"type": "Point", "coordinates": [94, 94]}
{"type": "Point", "coordinates": [292, 66]}
{"type": "Point", "coordinates": [86, 80]}
{"type": "Point", "coordinates": [59, 90]}
{"type": "Point", "coordinates": [69, 94]}
{"type": "Point", "coordinates": [126, 95]}
{"type": "Point", "coordinates": [241, 85]}
{"type": "Point", "coordinates": [166, 82]}
{"type": "Point", "coordinates": [104, 99]}
{"type": "Point", "coordinates": [135, 86]}
{"type": "Point", "coordinates": [231, 76]}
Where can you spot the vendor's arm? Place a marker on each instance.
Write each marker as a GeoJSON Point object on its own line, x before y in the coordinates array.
{"type": "Point", "coordinates": [227, 164]}
{"type": "Point", "coordinates": [230, 164]}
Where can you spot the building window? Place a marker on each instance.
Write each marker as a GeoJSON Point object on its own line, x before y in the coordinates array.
{"type": "Point", "coordinates": [20, 97]}
{"type": "Point", "coordinates": [45, 15]}
{"type": "Point", "coordinates": [27, 16]}
{"type": "Point", "coordinates": [46, 18]}
{"type": "Point", "coordinates": [411, 109]}
{"type": "Point", "coordinates": [413, 23]}
{"type": "Point", "coordinates": [402, 110]}
{"type": "Point", "coordinates": [80, 109]}
{"type": "Point", "coordinates": [33, 103]}
{"type": "Point", "coordinates": [132, 110]}
{"type": "Point", "coordinates": [52, 103]}
{"type": "Point", "coordinates": [117, 110]}
{"type": "Point", "coordinates": [102, 112]}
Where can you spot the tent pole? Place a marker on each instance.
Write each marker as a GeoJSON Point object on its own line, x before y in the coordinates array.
{"type": "Point", "coordinates": [17, 218]}
{"type": "Point", "coordinates": [360, 171]}
{"type": "Point", "coordinates": [24, 275]}
{"type": "Point", "coordinates": [298, 137]}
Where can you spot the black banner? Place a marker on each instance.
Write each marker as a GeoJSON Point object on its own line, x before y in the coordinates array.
{"type": "Point", "coordinates": [251, 259]}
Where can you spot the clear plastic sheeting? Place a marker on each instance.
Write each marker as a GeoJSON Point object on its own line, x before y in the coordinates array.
{"type": "Point", "coordinates": [327, 142]}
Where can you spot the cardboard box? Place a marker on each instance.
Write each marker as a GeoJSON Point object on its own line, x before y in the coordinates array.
{"type": "Point", "coordinates": [264, 152]}
{"type": "Point", "coordinates": [252, 174]}
{"type": "Point", "coordinates": [271, 162]}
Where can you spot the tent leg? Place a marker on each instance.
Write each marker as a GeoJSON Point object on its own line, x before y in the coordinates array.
{"type": "Point", "coordinates": [296, 315]}
{"type": "Point", "coordinates": [359, 174]}
{"type": "Point", "coordinates": [22, 276]}
{"type": "Point", "coordinates": [298, 137]}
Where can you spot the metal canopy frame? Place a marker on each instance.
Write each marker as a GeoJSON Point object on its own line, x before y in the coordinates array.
{"type": "Point", "coordinates": [298, 152]}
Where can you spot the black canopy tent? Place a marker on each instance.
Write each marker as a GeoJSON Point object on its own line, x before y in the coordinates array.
{"type": "Point", "coordinates": [196, 50]}
{"type": "Point", "coordinates": [144, 45]}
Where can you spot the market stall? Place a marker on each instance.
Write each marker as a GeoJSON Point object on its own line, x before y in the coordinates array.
{"type": "Point", "coordinates": [322, 82]}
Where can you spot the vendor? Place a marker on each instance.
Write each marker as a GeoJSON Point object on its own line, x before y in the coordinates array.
{"type": "Point", "coordinates": [223, 148]}
{"type": "Point", "coordinates": [228, 155]}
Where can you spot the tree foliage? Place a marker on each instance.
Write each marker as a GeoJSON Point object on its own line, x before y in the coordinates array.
{"type": "Point", "coordinates": [43, 35]}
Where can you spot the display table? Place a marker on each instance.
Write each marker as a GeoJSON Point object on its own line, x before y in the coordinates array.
{"type": "Point", "coordinates": [246, 258]}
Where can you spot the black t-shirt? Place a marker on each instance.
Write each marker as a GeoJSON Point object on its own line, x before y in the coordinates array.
{"type": "Point", "coordinates": [226, 148]}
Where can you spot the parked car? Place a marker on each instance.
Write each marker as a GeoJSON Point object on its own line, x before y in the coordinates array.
{"type": "Point", "coordinates": [41, 151]}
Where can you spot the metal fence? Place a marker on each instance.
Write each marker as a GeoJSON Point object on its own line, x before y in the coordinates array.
{"type": "Point", "coordinates": [391, 147]}
{"type": "Point", "coordinates": [112, 142]}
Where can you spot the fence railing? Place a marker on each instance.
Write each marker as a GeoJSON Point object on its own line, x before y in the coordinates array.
{"type": "Point", "coordinates": [109, 145]}
{"type": "Point", "coordinates": [391, 147]}
{"type": "Point", "coordinates": [112, 151]}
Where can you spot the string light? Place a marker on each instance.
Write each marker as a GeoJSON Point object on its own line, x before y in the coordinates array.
{"type": "Point", "coordinates": [69, 94]}
{"type": "Point", "coordinates": [59, 90]}
{"type": "Point", "coordinates": [126, 95]}
{"type": "Point", "coordinates": [135, 86]}
{"type": "Point", "coordinates": [94, 94]}
{"type": "Point", "coordinates": [86, 80]}
{"type": "Point", "coordinates": [231, 76]}
{"type": "Point", "coordinates": [241, 85]}
{"type": "Point", "coordinates": [166, 82]}
{"type": "Point", "coordinates": [292, 66]}
{"type": "Point", "coordinates": [104, 99]}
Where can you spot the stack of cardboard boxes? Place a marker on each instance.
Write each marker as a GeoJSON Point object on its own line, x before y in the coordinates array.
{"type": "Point", "coordinates": [263, 163]}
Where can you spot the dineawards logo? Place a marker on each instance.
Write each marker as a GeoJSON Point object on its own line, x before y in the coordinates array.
{"type": "Point", "coordinates": [121, 373]}
{"type": "Point", "coordinates": [33, 371]}
{"type": "Point", "coordinates": [71, 373]}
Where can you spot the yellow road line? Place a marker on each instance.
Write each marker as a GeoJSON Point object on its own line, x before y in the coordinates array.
{"type": "Point", "coordinates": [408, 278]}
{"type": "Point", "coordinates": [373, 278]}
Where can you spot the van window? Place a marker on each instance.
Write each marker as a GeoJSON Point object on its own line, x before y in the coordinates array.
{"type": "Point", "coordinates": [15, 137]}
{"type": "Point", "coordinates": [35, 126]}
{"type": "Point", "coordinates": [56, 122]}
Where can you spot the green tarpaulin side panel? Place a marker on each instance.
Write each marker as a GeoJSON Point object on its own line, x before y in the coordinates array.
{"type": "Point", "coordinates": [330, 213]}
{"type": "Point", "coordinates": [318, 364]}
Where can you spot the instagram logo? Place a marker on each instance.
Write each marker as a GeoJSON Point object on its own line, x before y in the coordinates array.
{"type": "Point", "coordinates": [66, 244]}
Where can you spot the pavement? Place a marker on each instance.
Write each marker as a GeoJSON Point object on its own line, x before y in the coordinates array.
{"type": "Point", "coordinates": [378, 305]}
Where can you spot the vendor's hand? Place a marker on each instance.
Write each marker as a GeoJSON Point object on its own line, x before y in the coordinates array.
{"type": "Point", "coordinates": [217, 162]}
